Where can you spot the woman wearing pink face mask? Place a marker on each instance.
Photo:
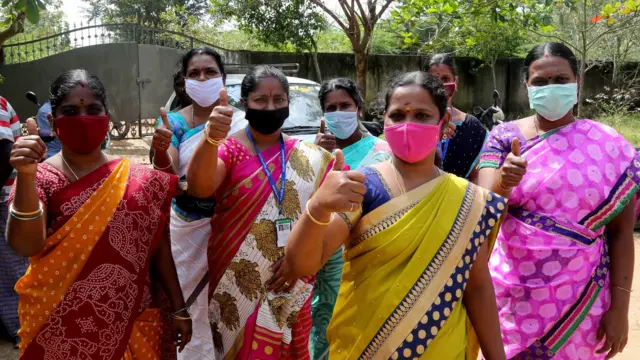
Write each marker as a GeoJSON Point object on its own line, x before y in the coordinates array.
{"type": "Point", "coordinates": [464, 135]}
{"type": "Point", "coordinates": [415, 243]}
{"type": "Point", "coordinates": [93, 226]}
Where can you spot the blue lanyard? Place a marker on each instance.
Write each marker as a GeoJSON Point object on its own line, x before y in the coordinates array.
{"type": "Point", "coordinates": [278, 194]}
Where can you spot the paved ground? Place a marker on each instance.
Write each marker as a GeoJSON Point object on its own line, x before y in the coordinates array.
{"type": "Point", "coordinates": [138, 150]}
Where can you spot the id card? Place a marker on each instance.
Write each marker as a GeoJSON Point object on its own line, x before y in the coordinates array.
{"type": "Point", "coordinates": [283, 229]}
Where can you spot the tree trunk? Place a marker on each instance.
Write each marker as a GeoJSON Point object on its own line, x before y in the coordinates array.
{"type": "Point", "coordinates": [16, 27]}
{"type": "Point", "coordinates": [316, 64]}
{"type": "Point", "coordinates": [361, 70]}
{"type": "Point", "coordinates": [582, 77]}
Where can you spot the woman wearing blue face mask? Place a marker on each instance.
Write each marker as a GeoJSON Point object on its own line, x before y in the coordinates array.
{"type": "Point", "coordinates": [563, 266]}
{"type": "Point", "coordinates": [342, 104]}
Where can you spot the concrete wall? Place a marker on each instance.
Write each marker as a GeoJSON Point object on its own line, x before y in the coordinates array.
{"type": "Point", "coordinates": [115, 64]}
{"type": "Point", "coordinates": [120, 65]}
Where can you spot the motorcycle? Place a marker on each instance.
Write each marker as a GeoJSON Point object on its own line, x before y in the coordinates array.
{"type": "Point", "coordinates": [493, 115]}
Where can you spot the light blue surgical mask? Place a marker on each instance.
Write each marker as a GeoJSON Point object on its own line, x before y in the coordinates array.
{"type": "Point", "coordinates": [342, 124]}
{"type": "Point", "coordinates": [553, 102]}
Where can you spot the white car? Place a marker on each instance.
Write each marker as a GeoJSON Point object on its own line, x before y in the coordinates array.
{"type": "Point", "coordinates": [305, 112]}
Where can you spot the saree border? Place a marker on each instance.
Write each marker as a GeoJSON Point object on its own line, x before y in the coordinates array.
{"type": "Point", "coordinates": [548, 224]}
{"type": "Point", "coordinates": [376, 222]}
{"type": "Point", "coordinates": [552, 341]}
{"type": "Point", "coordinates": [393, 331]}
{"type": "Point", "coordinates": [619, 196]}
{"type": "Point", "coordinates": [434, 319]}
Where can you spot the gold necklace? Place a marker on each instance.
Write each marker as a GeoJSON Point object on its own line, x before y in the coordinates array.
{"type": "Point", "coordinates": [397, 173]}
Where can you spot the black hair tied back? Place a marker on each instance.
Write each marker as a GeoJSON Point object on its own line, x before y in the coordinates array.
{"type": "Point", "coordinates": [259, 73]}
{"type": "Point", "coordinates": [348, 85]}
{"type": "Point", "coordinates": [443, 59]}
{"type": "Point", "coordinates": [426, 81]}
{"type": "Point", "coordinates": [550, 49]}
{"type": "Point", "coordinates": [203, 50]}
{"type": "Point", "coordinates": [71, 79]}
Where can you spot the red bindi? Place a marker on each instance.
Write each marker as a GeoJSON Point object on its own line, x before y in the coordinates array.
{"type": "Point", "coordinates": [82, 84]}
{"type": "Point", "coordinates": [546, 55]}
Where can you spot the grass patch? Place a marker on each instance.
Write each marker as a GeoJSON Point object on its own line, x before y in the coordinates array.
{"type": "Point", "coordinates": [628, 125]}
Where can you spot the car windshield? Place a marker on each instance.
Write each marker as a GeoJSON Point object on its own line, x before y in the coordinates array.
{"type": "Point", "coordinates": [304, 108]}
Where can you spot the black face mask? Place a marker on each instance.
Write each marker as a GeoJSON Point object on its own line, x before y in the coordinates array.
{"type": "Point", "coordinates": [267, 121]}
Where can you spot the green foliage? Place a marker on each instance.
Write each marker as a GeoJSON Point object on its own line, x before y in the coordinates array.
{"type": "Point", "coordinates": [31, 9]}
{"type": "Point", "coordinates": [281, 24]}
{"type": "Point", "coordinates": [626, 124]}
{"type": "Point", "coordinates": [149, 12]}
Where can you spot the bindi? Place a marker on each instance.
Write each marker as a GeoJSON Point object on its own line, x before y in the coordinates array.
{"type": "Point", "coordinates": [83, 84]}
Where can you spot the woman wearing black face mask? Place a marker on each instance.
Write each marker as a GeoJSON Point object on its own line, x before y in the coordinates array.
{"type": "Point", "coordinates": [93, 228]}
{"type": "Point", "coordinates": [258, 201]}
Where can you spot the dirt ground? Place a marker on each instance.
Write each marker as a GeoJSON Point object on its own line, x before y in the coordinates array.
{"type": "Point", "coordinates": [137, 150]}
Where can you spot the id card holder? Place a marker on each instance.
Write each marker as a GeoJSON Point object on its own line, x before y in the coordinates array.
{"type": "Point", "coordinates": [283, 229]}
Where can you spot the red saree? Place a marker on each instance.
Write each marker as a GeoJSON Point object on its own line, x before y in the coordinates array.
{"type": "Point", "coordinates": [83, 293]}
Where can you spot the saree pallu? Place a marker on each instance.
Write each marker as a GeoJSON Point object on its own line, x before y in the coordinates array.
{"type": "Point", "coordinates": [83, 293]}
{"type": "Point", "coordinates": [247, 321]}
{"type": "Point", "coordinates": [550, 267]}
{"type": "Point", "coordinates": [189, 237]}
{"type": "Point", "coordinates": [406, 268]}
{"type": "Point", "coordinates": [368, 151]}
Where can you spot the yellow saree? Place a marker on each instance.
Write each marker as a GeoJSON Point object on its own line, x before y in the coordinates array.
{"type": "Point", "coordinates": [406, 267]}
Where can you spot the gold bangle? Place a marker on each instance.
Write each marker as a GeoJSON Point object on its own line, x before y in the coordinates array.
{"type": "Point", "coordinates": [164, 168]}
{"type": "Point", "coordinates": [314, 219]}
{"type": "Point", "coordinates": [27, 214]}
{"type": "Point", "coordinates": [623, 289]}
{"type": "Point", "coordinates": [211, 140]}
{"type": "Point", "coordinates": [181, 317]}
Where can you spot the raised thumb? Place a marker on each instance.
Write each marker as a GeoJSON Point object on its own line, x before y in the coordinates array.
{"type": "Point", "coordinates": [32, 126]}
{"type": "Point", "coordinates": [165, 120]}
{"type": "Point", "coordinates": [338, 165]}
{"type": "Point", "coordinates": [322, 126]}
{"type": "Point", "coordinates": [224, 98]}
{"type": "Point", "coordinates": [515, 146]}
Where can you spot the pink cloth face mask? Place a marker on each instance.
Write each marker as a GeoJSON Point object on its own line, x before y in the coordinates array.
{"type": "Point", "coordinates": [411, 141]}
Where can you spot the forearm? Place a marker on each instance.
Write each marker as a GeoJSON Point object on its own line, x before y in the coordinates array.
{"type": "Point", "coordinates": [305, 252]}
{"type": "Point", "coordinates": [202, 169]}
{"type": "Point", "coordinates": [480, 302]}
{"type": "Point", "coordinates": [26, 237]}
{"type": "Point", "coordinates": [166, 268]}
{"type": "Point", "coordinates": [490, 180]}
{"type": "Point", "coordinates": [166, 161]}
{"type": "Point", "coordinates": [621, 251]}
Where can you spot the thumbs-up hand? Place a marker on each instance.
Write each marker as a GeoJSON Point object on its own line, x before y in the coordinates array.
{"type": "Point", "coordinates": [513, 168]}
{"type": "Point", "coordinates": [163, 134]}
{"type": "Point", "coordinates": [220, 118]}
{"type": "Point", "coordinates": [324, 140]}
{"type": "Point", "coordinates": [341, 191]}
{"type": "Point", "coordinates": [32, 126]}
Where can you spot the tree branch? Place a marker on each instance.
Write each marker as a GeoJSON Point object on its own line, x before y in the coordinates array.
{"type": "Point", "coordinates": [16, 27]}
{"type": "Point", "coordinates": [382, 10]}
{"type": "Point", "coordinates": [564, 41]}
{"type": "Point", "coordinates": [331, 14]}
{"type": "Point", "coordinates": [622, 26]}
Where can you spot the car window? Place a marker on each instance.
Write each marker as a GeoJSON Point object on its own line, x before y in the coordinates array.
{"type": "Point", "coordinates": [304, 109]}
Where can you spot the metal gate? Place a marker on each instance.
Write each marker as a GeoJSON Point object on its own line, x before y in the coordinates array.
{"type": "Point", "coordinates": [136, 63]}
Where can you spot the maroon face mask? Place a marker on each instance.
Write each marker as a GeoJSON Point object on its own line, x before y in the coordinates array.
{"type": "Point", "coordinates": [82, 134]}
{"type": "Point", "coordinates": [450, 88]}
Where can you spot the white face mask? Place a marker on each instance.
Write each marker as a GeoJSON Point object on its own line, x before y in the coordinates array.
{"type": "Point", "coordinates": [342, 124]}
{"type": "Point", "coordinates": [204, 93]}
{"type": "Point", "coordinates": [553, 102]}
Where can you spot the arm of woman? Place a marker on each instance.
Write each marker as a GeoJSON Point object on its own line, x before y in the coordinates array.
{"type": "Point", "coordinates": [163, 155]}
{"type": "Point", "coordinates": [501, 181]}
{"type": "Point", "coordinates": [27, 237]}
{"type": "Point", "coordinates": [480, 301]}
{"type": "Point", "coordinates": [206, 171]}
{"type": "Point", "coordinates": [614, 327]}
{"type": "Point", "coordinates": [166, 269]}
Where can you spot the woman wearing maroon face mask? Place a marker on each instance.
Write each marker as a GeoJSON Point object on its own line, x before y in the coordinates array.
{"type": "Point", "coordinates": [464, 134]}
{"type": "Point", "coordinates": [93, 226]}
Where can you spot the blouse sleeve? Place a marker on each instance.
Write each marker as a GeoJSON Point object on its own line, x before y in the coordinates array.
{"type": "Point", "coordinates": [47, 182]}
{"type": "Point", "coordinates": [498, 145]}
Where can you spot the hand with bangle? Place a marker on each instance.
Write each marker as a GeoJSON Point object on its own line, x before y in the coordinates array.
{"type": "Point", "coordinates": [513, 169]}
{"type": "Point", "coordinates": [182, 328]}
{"type": "Point", "coordinates": [219, 124]}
